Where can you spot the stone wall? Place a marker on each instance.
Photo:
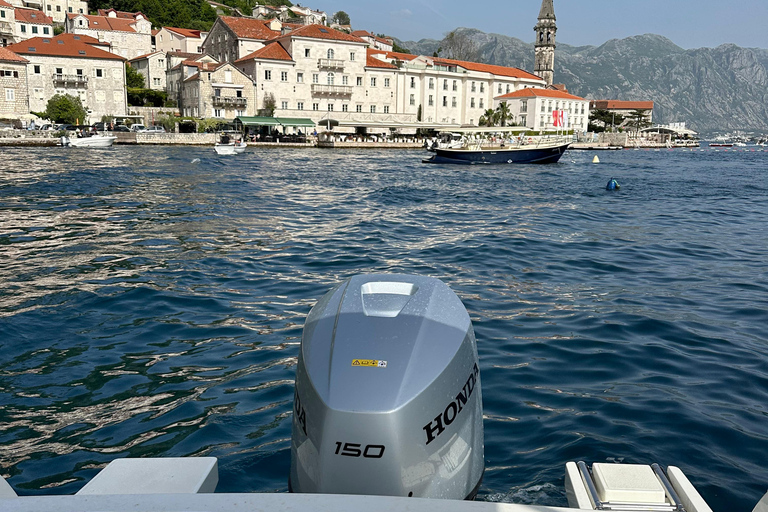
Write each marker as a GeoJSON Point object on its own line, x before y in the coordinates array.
{"type": "Point", "coordinates": [192, 139]}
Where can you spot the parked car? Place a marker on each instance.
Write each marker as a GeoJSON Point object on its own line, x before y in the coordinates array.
{"type": "Point", "coordinates": [137, 127]}
{"type": "Point", "coordinates": [153, 129]}
{"type": "Point", "coordinates": [121, 128]}
{"type": "Point", "coordinates": [100, 127]}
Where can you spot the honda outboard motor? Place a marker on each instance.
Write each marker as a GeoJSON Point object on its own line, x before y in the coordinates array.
{"type": "Point", "coordinates": [387, 398]}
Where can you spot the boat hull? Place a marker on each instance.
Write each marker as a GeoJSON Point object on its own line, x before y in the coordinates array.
{"type": "Point", "coordinates": [96, 141]}
{"type": "Point", "coordinates": [515, 155]}
{"type": "Point", "coordinates": [229, 149]}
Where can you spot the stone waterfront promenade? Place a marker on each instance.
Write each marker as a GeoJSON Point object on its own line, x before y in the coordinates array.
{"type": "Point", "coordinates": [46, 138]}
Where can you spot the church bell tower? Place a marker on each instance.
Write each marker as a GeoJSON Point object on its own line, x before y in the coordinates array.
{"type": "Point", "coordinates": [545, 42]}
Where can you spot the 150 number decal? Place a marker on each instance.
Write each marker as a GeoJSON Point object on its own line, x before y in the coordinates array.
{"type": "Point", "coordinates": [371, 451]}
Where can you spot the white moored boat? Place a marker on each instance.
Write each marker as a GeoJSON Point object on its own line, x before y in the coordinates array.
{"type": "Point", "coordinates": [94, 141]}
{"type": "Point", "coordinates": [233, 148]}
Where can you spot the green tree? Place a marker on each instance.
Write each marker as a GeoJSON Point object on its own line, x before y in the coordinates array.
{"type": "Point", "coordinates": [397, 48]}
{"type": "Point", "coordinates": [269, 106]}
{"type": "Point", "coordinates": [605, 117]}
{"type": "Point", "coordinates": [166, 121]}
{"type": "Point", "coordinates": [488, 118]}
{"type": "Point", "coordinates": [503, 113]}
{"type": "Point", "coordinates": [133, 79]}
{"type": "Point", "coordinates": [65, 108]}
{"type": "Point", "coordinates": [341, 17]}
{"type": "Point", "coordinates": [638, 119]}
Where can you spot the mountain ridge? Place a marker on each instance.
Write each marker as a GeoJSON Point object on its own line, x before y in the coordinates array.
{"type": "Point", "coordinates": [712, 89]}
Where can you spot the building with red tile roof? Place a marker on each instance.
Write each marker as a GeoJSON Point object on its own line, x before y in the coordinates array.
{"type": "Point", "coordinates": [153, 67]}
{"type": "Point", "coordinates": [129, 37]}
{"type": "Point", "coordinates": [14, 100]}
{"type": "Point", "coordinates": [624, 108]}
{"type": "Point", "coordinates": [218, 90]}
{"type": "Point", "coordinates": [376, 42]}
{"type": "Point", "coordinates": [232, 38]}
{"type": "Point", "coordinates": [31, 23]}
{"type": "Point", "coordinates": [539, 109]}
{"type": "Point", "coordinates": [68, 64]}
{"type": "Point", "coordinates": [7, 24]}
{"type": "Point", "coordinates": [179, 39]}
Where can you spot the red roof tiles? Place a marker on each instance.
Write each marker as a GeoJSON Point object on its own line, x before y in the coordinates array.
{"type": "Point", "coordinates": [184, 32]}
{"type": "Point", "coordinates": [63, 45]}
{"type": "Point", "coordinates": [273, 51]}
{"type": "Point", "coordinates": [106, 23]}
{"type": "Point", "coordinates": [7, 55]}
{"type": "Point", "coordinates": [399, 56]}
{"type": "Point", "coordinates": [621, 105]}
{"type": "Point", "coordinates": [373, 62]}
{"type": "Point", "coordinates": [32, 16]}
{"type": "Point", "coordinates": [541, 93]}
{"type": "Point", "coordinates": [247, 28]}
{"type": "Point", "coordinates": [488, 68]}
{"type": "Point", "coordinates": [323, 32]}
{"type": "Point", "coordinates": [3, 3]}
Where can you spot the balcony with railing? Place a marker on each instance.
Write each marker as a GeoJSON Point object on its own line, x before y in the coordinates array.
{"type": "Point", "coordinates": [70, 80]}
{"type": "Point", "coordinates": [229, 101]}
{"type": "Point", "coordinates": [331, 90]}
{"type": "Point", "coordinates": [330, 64]}
{"type": "Point", "coordinates": [6, 28]}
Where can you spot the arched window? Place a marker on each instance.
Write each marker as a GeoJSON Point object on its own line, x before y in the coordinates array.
{"type": "Point", "coordinates": [331, 76]}
{"type": "Point", "coordinates": [549, 37]}
{"type": "Point", "coordinates": [330, 53]}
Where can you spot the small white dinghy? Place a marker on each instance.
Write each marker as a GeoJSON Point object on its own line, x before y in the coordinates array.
{"type": "Point", "coordinates": [94, 141]}
{"type": "Point", "coordinates": [232, 148]}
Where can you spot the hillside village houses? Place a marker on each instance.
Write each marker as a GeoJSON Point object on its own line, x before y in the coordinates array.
{"type": "Point", "coordinates": [18, 24]}
{"type": "Point", "coordinates": [57, 10]}
{"type": "Point", "coordinates": [295, 14]}
{"type": "Point", "coordinates": [376, 42]}
{"type": "Point", "coordinates": [312, 71]}
{"type": "Point", "coordinates": [129, 34]}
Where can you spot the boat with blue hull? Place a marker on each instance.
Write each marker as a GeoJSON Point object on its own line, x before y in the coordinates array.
{"type": "Point", "coordinates": [502, 146]}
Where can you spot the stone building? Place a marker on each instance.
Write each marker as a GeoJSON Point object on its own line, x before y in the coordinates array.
{"type": "Point", "coordinates": [129, 34]}
{"type": "Point", "coordinates": [55, 9]}
{"type": "Point", "coordinates": [75, 65]}
{"type": "Point", "coordinates": [171, 39]}
{"type": "Point", "coordinates": [217, 90]}
{"type": "Point", "coordinates": [154, 67]}
{"type": "Point", "coordinates": [7, 23]}
{"type": "Point", "coordinates": [534, 107]}
{"type": "Point", "coordinates": [232, 38]}
{"type": "Point", "coordinates": [32, 23]}
{"type": "Point", "coordinates": [182, 66]}
{"type": "Point", "coordinates": [335, 79]}
{"type": "Point", "coordinates": [13, 85]}
{"type": "Point", "coordinates": [544, 47]}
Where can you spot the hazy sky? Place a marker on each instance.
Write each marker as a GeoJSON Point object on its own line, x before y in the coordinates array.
{"type": "Point", "coordinates": [688, 23]}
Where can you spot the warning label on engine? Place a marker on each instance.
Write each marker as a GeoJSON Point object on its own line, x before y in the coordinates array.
{"type": "Point", "coordinates": [369, 363]}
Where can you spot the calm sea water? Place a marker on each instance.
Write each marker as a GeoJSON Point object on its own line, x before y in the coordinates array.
{"type": "Point", "coordinates": [153, 306]}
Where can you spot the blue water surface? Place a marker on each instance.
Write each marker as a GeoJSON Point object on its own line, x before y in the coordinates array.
{"type": "Point", "coordinates": [152, 306]}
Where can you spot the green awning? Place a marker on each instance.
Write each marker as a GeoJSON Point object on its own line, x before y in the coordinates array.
{"type": "Point", "coordinates": [257, 121]}
{"type": "Point", "coordinates": [298, 122]}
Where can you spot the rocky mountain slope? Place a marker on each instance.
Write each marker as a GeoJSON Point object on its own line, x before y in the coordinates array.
{"type": "Point", "coordinates": [711, 89]}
